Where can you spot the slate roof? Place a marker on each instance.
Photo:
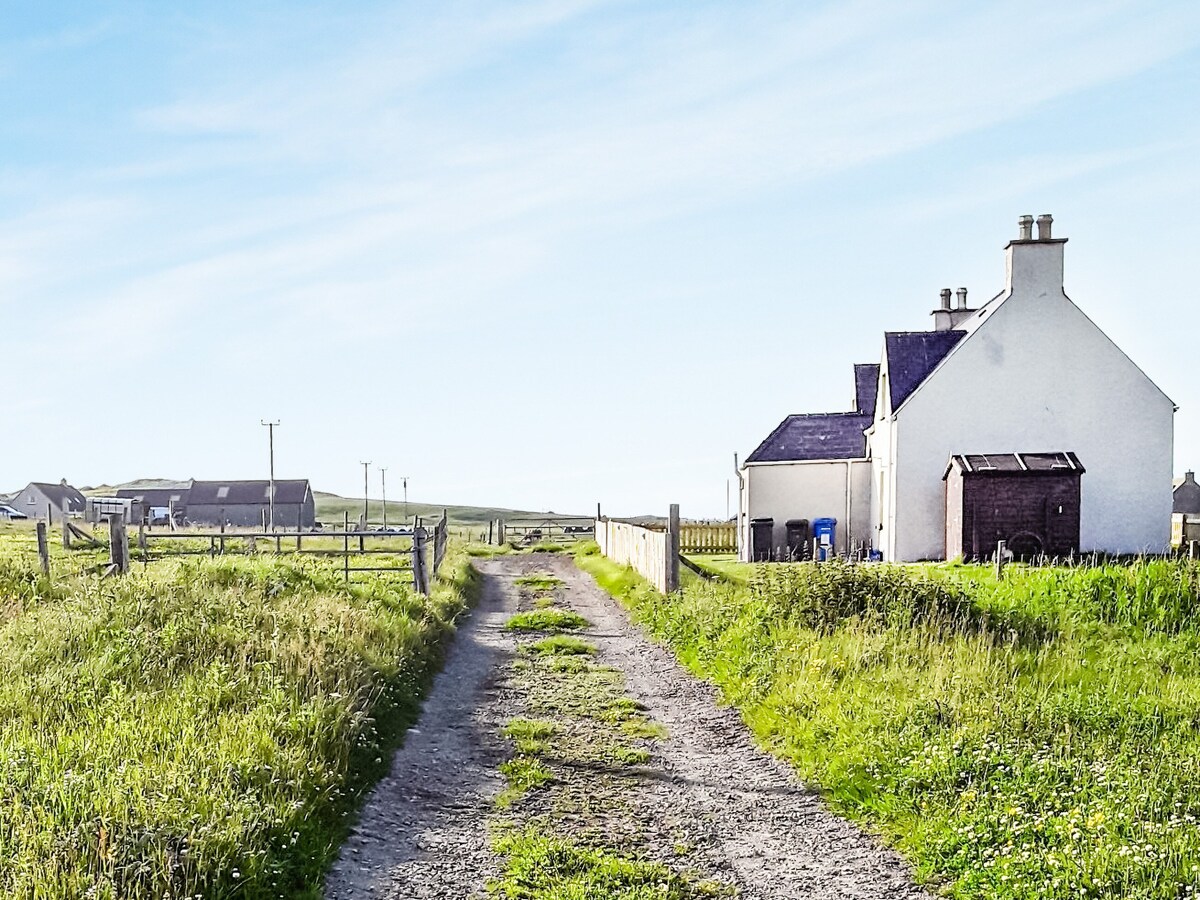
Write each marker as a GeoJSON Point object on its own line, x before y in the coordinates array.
{"type": "Point", "coordinates": [815, 436]}
{"type": "Point", "coordinates": [866, 387]}
{"type": "Point", "coordinates": [57, 493]}
{"type": "Point", "coordinates": [239, 493]}
{"type": "Point", "coordinates": [912, 355]}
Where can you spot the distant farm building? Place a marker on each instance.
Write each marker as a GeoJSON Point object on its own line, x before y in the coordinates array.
{"type": "Point", "coordinates": [974, 432]}
{"type": "Point", "coordinates": [48, 502]}
{"type": "Point", "coordinates": [246, 503]}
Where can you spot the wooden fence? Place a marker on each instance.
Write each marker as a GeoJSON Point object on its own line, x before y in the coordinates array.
{"type": "Point", "coordinates": [653, 552]}
{"type": "Point", "coordinates": [542, 530]}
{"type": "Point", "coordinates": [399, 551]}
{"type": "Point", "coordinates": [708, 537]}
{"type": "Point", "coordinates": [1185, 531]}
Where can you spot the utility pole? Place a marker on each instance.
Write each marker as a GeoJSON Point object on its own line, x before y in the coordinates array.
{"type": "Point", "coordinates": [404, 478]}
{"type": "Point", "coordinates": [383, 476]}
{"type": "Point", "coordinates": [270, 426]}
{"type": "Point", "coordinates": [366, 509]}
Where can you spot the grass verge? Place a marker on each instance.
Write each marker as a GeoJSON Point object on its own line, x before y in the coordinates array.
{"type": "Point", "coordinates": [1037, 737]}
{"type": "Point", "coordinates": [203, 728]}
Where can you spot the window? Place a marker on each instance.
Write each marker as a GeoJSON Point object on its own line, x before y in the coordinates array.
{"type": "Point", "coordinates": [222, 492]}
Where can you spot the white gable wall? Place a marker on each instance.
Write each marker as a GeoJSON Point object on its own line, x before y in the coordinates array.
{"type": "Point", "coordinates": [1035, 374]}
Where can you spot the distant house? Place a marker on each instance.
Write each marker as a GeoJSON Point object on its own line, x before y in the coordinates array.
{"type": "Point", "coordinates": [9, 512]}
{"type": "Point", "coordinates": [1186, 495]}
{"type": "Point", "coordinates": [245, 503]}
{"type": "Point", "coordinates": [48, 501]}
{"type": "Point", "coordinates": [978, 431]}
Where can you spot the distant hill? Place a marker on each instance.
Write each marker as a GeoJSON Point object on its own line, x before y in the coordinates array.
{"type": "Point", "coordinates": [330, 507]}
{"type": "Point", "coordinates": [138, 484]}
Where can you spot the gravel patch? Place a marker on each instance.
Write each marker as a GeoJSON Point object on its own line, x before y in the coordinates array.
{"type": "Point", "coordinates": [705, 800]}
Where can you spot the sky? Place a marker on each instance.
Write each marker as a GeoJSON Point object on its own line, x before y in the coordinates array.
{"type": "Point", "coordinates": [547, 254]}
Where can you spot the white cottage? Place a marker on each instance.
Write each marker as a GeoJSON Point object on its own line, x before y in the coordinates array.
{"type": "Point", "coordinates": [1003, 402]}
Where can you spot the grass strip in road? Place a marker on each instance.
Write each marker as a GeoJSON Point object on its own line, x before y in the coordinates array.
{"type": "Point", "coordinates": [203, 728]}
{"type": "Point", "coordinates": [559, 645]}
{"type": "Point", "coordinates": [540, 867]}
{"type": "Point", "coordinates": [1037, 737]}
{"type": "Point", "coordinates": [546, 620]}
{"type": "Point", "coordinates": [539, 582]}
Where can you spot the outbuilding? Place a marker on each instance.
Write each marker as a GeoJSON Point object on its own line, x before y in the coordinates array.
{"type": "Point", "coordinates": [1030, 501]}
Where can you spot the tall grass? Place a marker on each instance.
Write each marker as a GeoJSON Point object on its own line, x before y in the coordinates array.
{"type": "Point", "coordinates": [1035, 737]}
{"type": "Point", "coordinates": [203, 728]}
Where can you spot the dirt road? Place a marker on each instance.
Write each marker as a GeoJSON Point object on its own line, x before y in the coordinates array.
{"type": "Point", "coordinates": [628, 752]}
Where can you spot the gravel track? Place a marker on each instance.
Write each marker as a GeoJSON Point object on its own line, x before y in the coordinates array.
{"type": "Point", "coordinates": [745, 818]}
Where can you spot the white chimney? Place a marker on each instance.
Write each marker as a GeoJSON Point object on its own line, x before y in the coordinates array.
{"type": "Point", "coordinates": [1034, 266]}
{"type": "Point", "coordinates": [962, 298]}
{"type": "Point", "coordinates": [946, 293]}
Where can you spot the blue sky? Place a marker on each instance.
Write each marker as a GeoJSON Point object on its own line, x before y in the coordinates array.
{"type": "Point", "coordinates": [551, 253]}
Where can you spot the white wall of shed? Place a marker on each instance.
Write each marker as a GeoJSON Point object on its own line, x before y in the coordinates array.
{"type": "Point", "coordinates": [808, 490]}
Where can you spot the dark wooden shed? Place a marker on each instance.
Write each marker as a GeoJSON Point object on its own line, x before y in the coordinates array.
{"type": "Point", "coordinates": [1028, 500]}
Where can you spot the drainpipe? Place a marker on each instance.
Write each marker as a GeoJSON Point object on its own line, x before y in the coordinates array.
{"type": "Point", "coordinates": [741, 516]}
{"type": "Point", "coordinates": [849, 504]}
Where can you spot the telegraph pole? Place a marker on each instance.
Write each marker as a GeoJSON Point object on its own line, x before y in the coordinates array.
{"type": "Point", "coordinates": [270, 426]}
{"type": "Point", "coordinates": [366, 509]}
{"type": "Point", "coordinates": [383, 476]}
{"type": "Point", "coordinates": [405, 480]}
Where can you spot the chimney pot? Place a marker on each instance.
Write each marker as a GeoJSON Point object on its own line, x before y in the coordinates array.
{"type": "Point", "coordinates": [962, 298]}
{"type": "Point", "coordinates": [946, 292]}
{"type": "Point", "coordinates": [1025, 224]}
{"type": "Point", "coordinates": [1044, 222]}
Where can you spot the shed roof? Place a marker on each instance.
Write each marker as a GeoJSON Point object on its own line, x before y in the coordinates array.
{"type": "Point", "coordinates": [912, 356]}
{"type": "Point", "coordinates": [1058, 463]}
{"type": "Point", "coordinates": [866, 387]}
{"type": "Point", "coordinates": [218, 493]}
{"type": "Point", "coordinates": [815, 436]}
{"type": "Point", "coordinates": [155, 496]}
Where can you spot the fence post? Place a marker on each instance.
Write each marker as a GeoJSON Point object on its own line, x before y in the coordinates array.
{"type": "Point", "coordinates": [346, 543]}
{"type": "Point", "coordinates": [222, 532]}
{"type": "Point", "coordinates": [118, 544]}
{"type": "Point", "coordinates": [672, 580]}
{"type": "Point", "coordinates": [1000, 559]}
{"type": "Point", "coordinates": [491, 527]}
{"type": "Point", "coordinates": [43, 545]}
{"type": "Point", "coordinates": [420, 580]}
{"type": "Point", "coordinates": [66, 535]}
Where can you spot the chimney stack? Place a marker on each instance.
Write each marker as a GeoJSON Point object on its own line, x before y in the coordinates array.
{"type": "Point", "coordinates": [946, 292]}
{"type": "Point", "coordinates": [962, 298]}
{"type": "Point", "coordinates": [1035, 265]}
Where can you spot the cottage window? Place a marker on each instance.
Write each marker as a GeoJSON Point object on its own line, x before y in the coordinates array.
{"type": "Point", "coordinates": [222, 492]}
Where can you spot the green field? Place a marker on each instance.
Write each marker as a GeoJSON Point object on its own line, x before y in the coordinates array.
{"type": "Point", "coordinates": [1036, 737]}
{"type": "Point", "coordinates": [201, 727]}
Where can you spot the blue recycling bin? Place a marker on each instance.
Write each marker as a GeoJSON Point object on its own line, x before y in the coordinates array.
{"type": "Point", "coordinates": [823, 533]}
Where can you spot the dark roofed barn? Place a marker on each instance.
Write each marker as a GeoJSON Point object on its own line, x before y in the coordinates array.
{"type": "Point", "coordinates": [245, 503]}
